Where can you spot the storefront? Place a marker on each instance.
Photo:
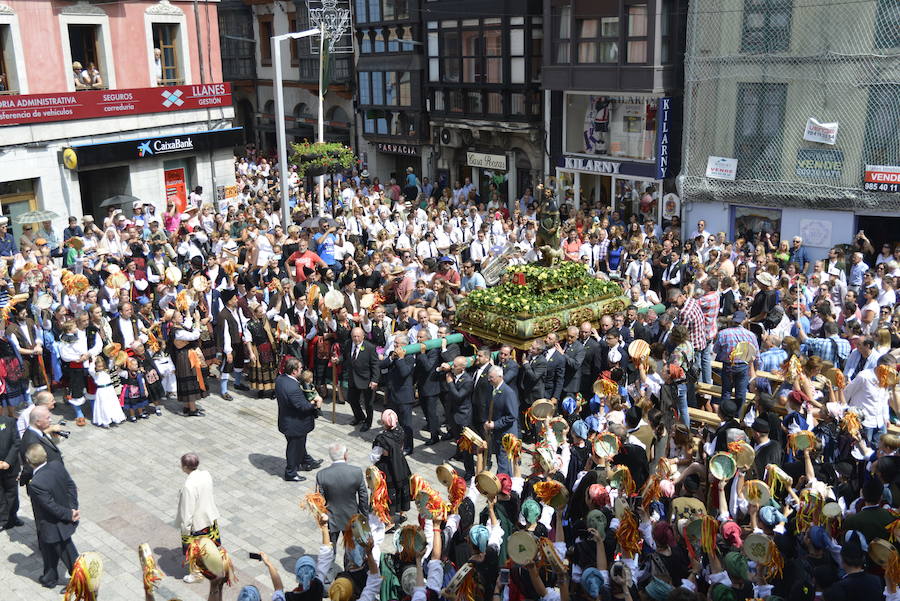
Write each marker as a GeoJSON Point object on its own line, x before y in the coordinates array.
{"type": "Point", "coordinates": [397, 157]}
{"type": "Point", "coordinates": [617, 153]}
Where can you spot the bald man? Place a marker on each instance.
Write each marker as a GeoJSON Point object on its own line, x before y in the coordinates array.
{"type": "Point", "coordinates": [361, 364]}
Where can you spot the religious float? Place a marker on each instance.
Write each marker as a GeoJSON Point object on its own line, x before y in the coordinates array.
{"type": "Point", "coordinates": [533, 300]}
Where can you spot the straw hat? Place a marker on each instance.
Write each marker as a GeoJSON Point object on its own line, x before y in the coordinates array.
{"type": "Point", "coordinates": [766, 279]}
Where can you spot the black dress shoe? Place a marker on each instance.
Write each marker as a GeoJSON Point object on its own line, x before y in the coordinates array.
{"type": "Point", "coordinates": [308, 467]}
{"type": "Point", "coordinates": [357, 422]}
{"type": "Point", "coordinates": [447, 436]}
{"type": "Point", "coordinates": [197, 413]}
{"type": "Point", "coordinates": [48, 583]}
{"type": "Point", "coordinates": [14, 523]}
{"type": "Point", "coordinates": [432, 441]}
{"type": "Point", "coordinates": [407, 452]}
{"type": "Point", "coordinates": [297, 478]}
{"type": "Point", "coordinates": [365, 428]}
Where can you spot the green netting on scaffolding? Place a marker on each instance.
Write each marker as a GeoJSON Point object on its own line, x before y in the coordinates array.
{"type": "Point", "coordinates": [804, 94]}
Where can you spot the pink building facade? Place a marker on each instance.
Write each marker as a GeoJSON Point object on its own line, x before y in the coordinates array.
{"type": "Point", "coordinates": [94, 77]}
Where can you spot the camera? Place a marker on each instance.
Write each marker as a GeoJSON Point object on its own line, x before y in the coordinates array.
{"type": "Point", "coordinates": [61, 422]}
{"type": "Point", "coordinates": [64, 433]}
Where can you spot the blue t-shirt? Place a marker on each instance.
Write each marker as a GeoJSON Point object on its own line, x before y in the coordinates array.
{"type": "Point", "coordinates": [325, 247]}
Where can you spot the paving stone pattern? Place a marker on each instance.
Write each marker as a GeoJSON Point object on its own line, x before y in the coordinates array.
{"type": "Point", "coordinates": [128, 480]}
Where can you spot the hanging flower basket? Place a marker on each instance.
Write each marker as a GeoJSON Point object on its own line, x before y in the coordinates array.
{"type": "Point", "coordinates": [314, 159]}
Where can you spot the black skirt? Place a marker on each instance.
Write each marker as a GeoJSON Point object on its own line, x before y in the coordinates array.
{"type": "Point", "coordinates": [186, 380]}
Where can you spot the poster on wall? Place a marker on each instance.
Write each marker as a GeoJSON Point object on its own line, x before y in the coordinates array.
{"type": "Point", "coordinates": [823, 133]}
{"type": "Point", "coordinates": [671, 205]}
{"type": "Point", "coordinates": [596, 125]}
{"type": "Point", "coordinates": [176, 190]}
{"type": "Point", "coordinates": [882, 178]}
{"type": "Point", "coordinates": [819, 163]}
{"type": "Point", "coordinates": [816, 232]}
{"type": "Point", "coordinates": [721, 168]}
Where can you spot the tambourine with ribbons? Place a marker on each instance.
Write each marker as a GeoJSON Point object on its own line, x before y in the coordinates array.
{"type": "Point", "coordinates": [84, 583]}
{"type": "Point", "coordinates": [212, 562]}
{"type": "Point", "coordinates": [380, 500]}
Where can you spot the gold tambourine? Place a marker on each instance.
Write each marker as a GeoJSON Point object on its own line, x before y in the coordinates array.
{"type": "Point", "coordinates": [117, 280]}
{"type": "Point", "coordinates": [43, 301]}
{"type": "Point", "coordinates": [445, 474]}
{"type": "Point", "coordinates": [367, 301]}
{"type": "Point", "coordinates": [639, 350]}
{"type": "Point", "coordinates": [173, 275]}
{"type": "Point", "coordinates": [832, 510]}
{"type": "Point", "coordinates": [880, 551]}
{"type": "Point", "coordinates": [606, 445]}
{"type": "Point", "coordinates": [112, 349]}
{"type": "Point", "coordinates": [743, 454]}
{"type": "Point", "coordinates": [551, 556]}
{"type": "Point", "coordinates": [200, 283]}
{"type": "Point", "coordinates": [542, 408]}
{"type": "Point", "coordinates": [800, 441]}
{"type": "Point", "coordinates": [456, 582]}
{"type": "Point", "coordinates": [757, 492]}
{"type": "Point", "coordinates": [359, 528]}
{"type": "Point", "coordinates": [470, 435]}
{"type": "Point", "coordinates": [334, 300]}
{"type": "Point", "coordinates": [84, 584]}
{"type": "Point", "coordinates": [521, 546]}
{"type": "Point", "coordinates": [152, 573]}
{"type": "Point", "coordinates": [487, 484]}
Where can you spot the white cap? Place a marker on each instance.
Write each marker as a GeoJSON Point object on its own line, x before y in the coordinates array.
{"type": "Point", "coordinates": [4, 220]}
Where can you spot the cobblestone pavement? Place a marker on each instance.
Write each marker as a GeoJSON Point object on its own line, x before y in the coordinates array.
{"type": "Point", "coordinates": [128, 480]}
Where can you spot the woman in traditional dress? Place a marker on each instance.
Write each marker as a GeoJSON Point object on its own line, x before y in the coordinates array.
{"type": "Point", "coordinates": [184, 347]}
{"type": "Point", "coordinates": [263, 360]}
{"type": "Point", "coordinates": [387, 455]}
{"type": "Point", "coordinates": [13, 380]}
{"type": "Point", "coordinates": [29, 341]}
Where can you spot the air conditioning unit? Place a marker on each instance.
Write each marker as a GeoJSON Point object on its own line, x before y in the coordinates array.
{"type": "Point", "coordinates": [448, 137]}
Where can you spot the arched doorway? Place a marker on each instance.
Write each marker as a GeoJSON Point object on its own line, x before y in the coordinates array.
{"type": "Point", "coordinates": [337, 125]}
{"type": "Point", "coordinates": [267, 126]}
{"type": "Point", "coordinates": [303, 127]}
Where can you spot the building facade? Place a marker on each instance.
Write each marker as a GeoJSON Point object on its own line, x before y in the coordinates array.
{"type": "Point", "coordinates": [390, 72]}
{"type": "Point", "coordinates": [483, 94]}
{"type": "Point", "coordinates": [793, 116]}
{"type": "Point", "coordinates": [612, 81]}
{"type": "Point", "coordinates": [99, 99]}
{"type": "Point", "coordinates": [300, 73]}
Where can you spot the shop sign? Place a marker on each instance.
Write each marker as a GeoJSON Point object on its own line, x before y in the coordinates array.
{"type": "Point", "coordinates": [486, 161]}
{"type": "Point", "coordinates": [404, 149]}
{"type": "Point", "coordinates": [176, 189]}
{"type": "Point", "coordinates": [663, 136]}
{"type": "Point", "coordinates": [95, 104]}
{"type": "Point", "coordinates": [721, 168]}
{"type": "Point", "coordinates": [148, 148]}
{"type": "Point", "coordinates": [824, 133]}
{"type": "Point", "coordinates": [818, 163]}
{"type": "Point", "coordinates": [882, 178]}
{"type": "Point", "coordinates": [592, 165]}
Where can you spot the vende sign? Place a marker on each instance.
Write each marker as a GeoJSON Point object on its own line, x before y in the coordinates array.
{"type": "Point", "coordinates": [882, 178]}
{"type": "Point", "coordinates": [94, 104]}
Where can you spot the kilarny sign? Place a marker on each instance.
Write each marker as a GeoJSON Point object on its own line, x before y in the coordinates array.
{"type": "Point", "coordinates": [721, 168]}
{"type": "Point", "coordinates": [824, 133]}
{"type": "Point", "coordinates": [663, 137]}
{"type": "Point", "coordinates": [486, 161]}
{"type": "Point", "coordinates": [592, 165]}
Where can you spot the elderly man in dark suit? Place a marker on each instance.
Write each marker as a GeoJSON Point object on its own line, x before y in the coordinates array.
{"type": "Point", "coordinates": [590, 367]}
{"type": "Point", "coordinates": [54, 499]}
{"type": "Point", "coordinates": [399, 387]}
{"type": "Point", "coordinates": [344, 489]}
{"type": "Point", "coordinates": [428, 384]}
{"type": "Point", "coordinates": [556, 368]}
{"type": "Point", "coordinates": [503, 410]}
{"type": "Point", "coordinates": [510, 366]}
{"type": "Point", "coordinates": [296, 419]}
{"type": "Point", "coordinates": [361, 366]}
{"type": "Point", "coordinates": [9, 473]}
{"type": "Point", "coordinates": [39, 431]}
{"type": "Point", "coordinates": [532, 383]}
{"type": "Point", "coordinates": [573, 354]}
{"type": "Point", "coordinates": [458, 388]}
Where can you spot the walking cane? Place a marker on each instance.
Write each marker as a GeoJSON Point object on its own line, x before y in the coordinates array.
{"type": "Point", "coordinates": [335, 357]}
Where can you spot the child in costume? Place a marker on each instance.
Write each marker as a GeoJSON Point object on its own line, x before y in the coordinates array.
{"type": "Point", "coordinates": [107, 409]}
{"type": "Point", "coordinates": [134, 390]}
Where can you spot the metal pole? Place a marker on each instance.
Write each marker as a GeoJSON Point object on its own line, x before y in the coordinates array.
{"type": "Point", "coordinates": [280, 133]}
{"type": "Point", "coordinates": [321, 136]}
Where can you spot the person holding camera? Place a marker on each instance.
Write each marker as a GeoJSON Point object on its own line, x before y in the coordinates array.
{"type": "Point", "coordinates": [40, 431]}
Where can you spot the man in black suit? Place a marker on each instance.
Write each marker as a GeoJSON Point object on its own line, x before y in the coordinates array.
{"type": "Point", "coordinates": [556, 368]}
{"type": "Point", "coordinates": [458, 388]}
{"type": "Point", "coordinates": [510, 366]}
{"type": "Point", "coordinates": [481, 388]}
{"type": "Point", "coordinates": [532, 384]}
{"type": "Point", "coordinates": [502, 416]}
{"type": "Point", "coordinates": [9, 473]}
{"type": "Point", "coordinates": [398, 386]}
{"type": "Point", "coordinates": [361, 365]}
{"type": "Point", "coordinates": [428, 384]}
{"type": "Point", "coordinates": [39, 431]}
{"type": "Point", "coordinates": [590, 367]}
{"type": "Point", "coordinates": [54, 499]}
{"type": "Point", "coordinates": [296, 419]}
{"type": "Point", "coordinates": [573, 354]}
{"type": "Point", "coordinates": [344, 489]}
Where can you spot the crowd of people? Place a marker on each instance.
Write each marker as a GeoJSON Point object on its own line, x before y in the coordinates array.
{"type": "Point", "coordinates": [726, 435]}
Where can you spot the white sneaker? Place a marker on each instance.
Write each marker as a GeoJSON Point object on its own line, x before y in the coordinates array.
{"type": "Point", "coordinates": [192, 578]}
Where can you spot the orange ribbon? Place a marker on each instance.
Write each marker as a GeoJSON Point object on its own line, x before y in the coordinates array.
{"type": "Point", "coordinates": [197, 365]}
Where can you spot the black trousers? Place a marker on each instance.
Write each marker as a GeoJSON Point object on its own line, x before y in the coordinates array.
{"type": "Point", "coordinates": [432, 419]}
{"type": "Point", "coordinates": [405, 419]}
{"type": "Point", "coordinates": [360, 400]}
{"type": "Point", "coordinates": [295, 455]}
{"type": "Point", "coordinates": [9, 497]}
{"type": "Point", "coordinates": [51, 553]}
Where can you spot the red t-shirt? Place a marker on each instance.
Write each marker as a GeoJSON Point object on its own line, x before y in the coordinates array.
{"type": "Point", "coordinates": [301, 260]}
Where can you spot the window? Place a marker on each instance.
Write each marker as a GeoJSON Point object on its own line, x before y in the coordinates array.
{"type": "Point", "coordinates": [374, 10]}
{"type": "Point", "coordinates": [359, 8]}
{"type": "Point", "coordinates": [456, 101]}
{"type": "Point", "coordinates": [475, 105]}
{"type": "Point", "coordinates": [365, 43]}
{"type": "Point", "coordinates": [390, 89]}
{"type": "Point", "coordinates": [766, 27]}
{"type": "Point", "coordinates": [537, 54]}
{"type": "Point", "coordinates": [494, 103]}
{"type": "Point", "coordinates": [563, 27]}
{"type": "Point", "coordinates": [614, 126]}
{"type": "Point", "coordinates": [598, 40]}
{"type": "Point", "coordinates": [294, 44]}
{"type": "Point", "coordinates": [396, 10]}
{"type": "Point", "coordinates": [377, 87]}
{"type": "Point", "coordinates": [166, 40]}
{"type": "Point", "coordinates": [493, 61]}
{"type": "Point", "coordinates": [265, 39]}
{"type": "Point", "coordinates": [439, 106]}
{"type": "Point", "coordinates": [517, 54]}
{"type": "Point", "coordinates": [405, 89]}
{"type": "Point", "coordinates": [636, 41]}
{"type": "Point", "coordinates": [8, 81]}
{"type": "Point", "coordinates": [472, 51]}
{"type": "Point", "coordinates": [379, 40]}
{"type": "Point", "coordinates": [406, 45]}
{"type": "Point", "coordinates": [84, 45]}
{"type": "Point", "coordinates": [393, 41]}
{"type": "Point", "coordinates": [365, 88]}
{"type": "Point", "coordinates": [882, 145]}
{"type": "Point", "coordinates": [517, 104]}
{"type": "Point", "coordinates": [887, 32]}
{"type": "Point", "coordinates": [665, 33]}
{"type": "Point", "coordinates": [451, 52]}
{"type": "Point", "coordinates": [759, 124]}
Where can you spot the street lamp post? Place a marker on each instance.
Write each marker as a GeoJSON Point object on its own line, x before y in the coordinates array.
{"type": "Point", "coordinates": [280, 133]}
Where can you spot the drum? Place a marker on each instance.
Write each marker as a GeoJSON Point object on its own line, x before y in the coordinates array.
{"type": "Point", "coordinates": [210, 559]}
{"type": "Point", "coordinates": [756, 547]}
{"type": "Point", "coordinates": [722, 466]}
{"type": "Point", "coordinates": [618, 477]}
{"type": "Point", "coordinates": [151, 571]}
{"type": "Point", "coordinates": [453, 586]}
{"type": "Point", "coordinates": [173, 275]}
{"type": "Point", "coordinates": [470, 435]}
{"type": "Point", "coordinates": [86, 575]}
{"type": "Point", "coordinates": [445, 474]}
{"type": "Point", "coordinates": [638, 350]}
{"type": "Point", "coordinates": [521, 546]}
{"type": "Point", "coordinates": [545, 458]}
{"type": "Point", "coordinates": [542, 408]}
{"type": "Point", "coordinates": [487, 484]}
{"type": "Point", "coordinates": [410, 536]}
{"type": "Point", "coordinates": [334, 300]}
{"type": "Point", "coordinates": [359, 527]}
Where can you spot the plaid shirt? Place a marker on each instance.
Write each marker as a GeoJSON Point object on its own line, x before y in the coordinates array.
{"type": "Point", "coordinates": [729, 338]}
{"type": "Point", "coordinates": [709, 304]}
{"type": "Point", "coordinates": [772, 359]}
{"type": "Point", "coordinates": [825, 348]}
{"type": "Point", "coordinates": [691, 316]}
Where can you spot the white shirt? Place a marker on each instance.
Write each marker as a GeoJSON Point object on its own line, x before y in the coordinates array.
{"type": "Point", "coordinates": [864, 393]}
{"type": "Point", "coordinates": [196, 507]}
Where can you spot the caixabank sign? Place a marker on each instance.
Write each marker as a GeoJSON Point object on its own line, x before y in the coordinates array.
{"type": "Point", "coordinates": [88, 155]}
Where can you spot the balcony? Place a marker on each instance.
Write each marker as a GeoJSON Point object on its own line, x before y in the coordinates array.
{"type": "Point", "coordinates": [478, 103]}
{"type": "Point", "coordinates": [236, 68]}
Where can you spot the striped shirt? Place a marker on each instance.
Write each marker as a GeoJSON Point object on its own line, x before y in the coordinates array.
{"type": "Point", "coordinates": [772, 359]}
{"type": "Point", "coordinates": [709, 304]}
{"type": "Point", "coordinates": [691, 316]}
{"type": "Point", "coordinates": [728, 339]}
{"type": "Point", "coordinates": [825, 348]}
